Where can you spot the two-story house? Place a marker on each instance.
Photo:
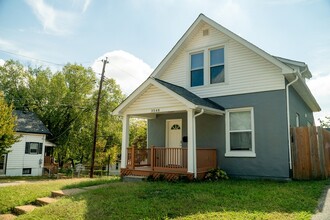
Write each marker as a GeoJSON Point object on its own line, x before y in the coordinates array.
{"type": "Point", "coordinates": [216, 100]}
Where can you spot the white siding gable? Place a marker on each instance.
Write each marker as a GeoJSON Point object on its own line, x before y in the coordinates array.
{"type": "Point", "coordinates": [245, 70]}
{"type": "Point", "coordinates": [152, 98]}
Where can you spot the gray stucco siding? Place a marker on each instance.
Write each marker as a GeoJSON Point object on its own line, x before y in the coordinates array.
{"type": "Point", "coordinates": [297, 105]}
{"type": "Point", "coordinates": [271, 145]}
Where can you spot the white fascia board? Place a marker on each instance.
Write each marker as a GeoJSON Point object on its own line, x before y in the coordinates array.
{"type": "Point", "coordinates": [257, 50]}
{"type": "Point", "coordinates": [176, 47]}
{"type": "Point", "coordinates": [307, 96]}
{"type": "Point", "coordinates": [132, 97]}
{"type": "Point", "coordinates": [285, 69]}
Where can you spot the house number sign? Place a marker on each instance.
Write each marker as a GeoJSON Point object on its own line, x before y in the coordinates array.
{"type": "Point", "coordinates": [155, 110]}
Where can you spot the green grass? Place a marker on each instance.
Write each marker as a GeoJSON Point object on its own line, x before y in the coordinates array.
{"type": "Point", "coordinates": [22, 178]}
{"type": "Point", "coordinates": [233, 199]}
{"type": "Point", "coordinates": [12, 196]}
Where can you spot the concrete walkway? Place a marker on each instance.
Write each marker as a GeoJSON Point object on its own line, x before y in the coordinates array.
{"type": "Point", "coordinates": [323, 209]}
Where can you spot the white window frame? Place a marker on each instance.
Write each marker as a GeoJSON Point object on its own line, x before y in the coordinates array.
{"type": "Point", "coordinates": [220, 64]}
{"type": "Point", "coordinates": [231, 153]}
{"type": "Point", "coordinates": [207, 58]}
{"type": "Point", "coordinates": [190, 69]}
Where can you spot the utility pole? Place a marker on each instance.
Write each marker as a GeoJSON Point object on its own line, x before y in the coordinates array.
{"type": "Point", "coordinates": [97, 116]}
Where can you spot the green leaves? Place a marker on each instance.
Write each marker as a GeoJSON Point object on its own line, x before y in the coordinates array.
{"type": "Point", "coordinates": [65, 101]}
{"type": "Point", "coordinates": [7, 126]}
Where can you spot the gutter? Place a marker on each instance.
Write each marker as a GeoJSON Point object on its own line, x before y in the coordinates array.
{"type": "Point", "coordinates": [288, 118]}
{"type": "Point", "coordinates": [194, 143]}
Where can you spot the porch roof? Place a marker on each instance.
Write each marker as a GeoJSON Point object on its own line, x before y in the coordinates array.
{"type": "Point", "coordinates": [184, 100]}
{"type": "Point", "coordinates": [189, 96]}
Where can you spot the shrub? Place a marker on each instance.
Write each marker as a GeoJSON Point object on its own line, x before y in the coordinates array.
{"type": "Point", "coordinates": [215, 175]}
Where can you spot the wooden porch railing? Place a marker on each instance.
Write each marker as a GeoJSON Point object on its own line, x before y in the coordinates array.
{"type": "Point", "coordinates": [50, 164]}
{"type": "Point", "coordinates": [169, 159]}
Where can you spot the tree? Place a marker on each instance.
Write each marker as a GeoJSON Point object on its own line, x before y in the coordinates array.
{"type": "Point", "coordinates": [13, 78]}
{"type": "Point", "coordinates": [138, 133]}
{"type": "Point", "coordinates": [65, 102]}
{"type": "Point", "coordinates": [7, 126]}
{"type": "Point", "coordinates": [326, 122]}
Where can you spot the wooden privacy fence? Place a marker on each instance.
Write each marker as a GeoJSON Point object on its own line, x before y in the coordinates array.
{"type": "Point", "coordinates": [310, 148]}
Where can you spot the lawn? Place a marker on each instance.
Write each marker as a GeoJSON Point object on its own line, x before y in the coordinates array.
{"type": "Point", "coordinates": [232, 199]}
{"type": "Point", "coordinates": [12, 196]}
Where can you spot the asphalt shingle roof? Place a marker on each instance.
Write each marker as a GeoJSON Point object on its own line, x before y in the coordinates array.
{"type": "Point", "coordinates": [191, 97]}
{"type": "Point", "coordinates": [28, 122]}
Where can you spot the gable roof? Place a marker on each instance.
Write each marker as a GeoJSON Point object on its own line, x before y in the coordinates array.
{"type": "Point", "coordinates": [202, 19]}
{"type": "Point", "coordinates": [28, 122]}
{"type": "Point", "coordinates": [181, 94]}
{"type": "Point", "coordinates": [289, 68]}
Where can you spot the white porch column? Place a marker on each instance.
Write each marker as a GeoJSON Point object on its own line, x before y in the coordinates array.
{"type": "Point", "coordinates": [125, 141]}
{"type": "Point", "coordinates": [191, 133]}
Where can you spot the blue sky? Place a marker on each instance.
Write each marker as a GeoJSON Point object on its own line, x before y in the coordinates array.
{"type": "Point", "coordinates": [137, 34]}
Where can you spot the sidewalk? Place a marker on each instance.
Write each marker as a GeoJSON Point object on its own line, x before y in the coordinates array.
{"type": "Point", "coordinates": [323, 209]}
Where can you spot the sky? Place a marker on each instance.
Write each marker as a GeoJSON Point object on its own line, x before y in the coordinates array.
{"type": "Point", "coordinates": [137, 34]}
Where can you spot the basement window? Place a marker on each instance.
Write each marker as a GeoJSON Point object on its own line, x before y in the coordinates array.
{"type": "Point", "coordinates": [26, 171]}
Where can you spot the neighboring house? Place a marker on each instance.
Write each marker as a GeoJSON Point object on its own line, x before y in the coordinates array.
{"type": "Point", "coordinates": [26, 157]}
{"type": "Point", "coordinates": [216, 100]}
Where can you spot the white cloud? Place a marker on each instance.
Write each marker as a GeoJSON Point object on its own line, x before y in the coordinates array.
{"type": "Point", "coordinates": [85, 5]}
{"type": "Point", "coordinates": [319, 86]}
{"type": "Point", "coordinates": [231, 14]}
{"type": "Point", "coordinates": [55, 21]}
{"type": "Point", "coordinates": [128, 70]}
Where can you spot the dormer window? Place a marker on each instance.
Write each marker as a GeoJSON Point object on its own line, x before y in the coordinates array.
{"type": "Point", "coordinates": [217, 66]}
{"type": "Point", "coordinates": [197, 69]}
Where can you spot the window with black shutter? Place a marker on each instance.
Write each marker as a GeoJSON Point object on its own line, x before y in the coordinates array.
{"type": "Point", "coordinates": [33, 148]}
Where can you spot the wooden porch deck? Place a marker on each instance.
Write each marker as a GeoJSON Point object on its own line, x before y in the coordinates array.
{"type": "Point", "coordinates": [169, 162]}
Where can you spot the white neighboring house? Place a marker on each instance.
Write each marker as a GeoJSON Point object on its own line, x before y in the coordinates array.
{"type": "Point", "coordinates": [26, 157]}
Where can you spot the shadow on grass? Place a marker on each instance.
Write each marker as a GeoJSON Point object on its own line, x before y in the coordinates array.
{"type": "Point", "coordinates": [228, 199]}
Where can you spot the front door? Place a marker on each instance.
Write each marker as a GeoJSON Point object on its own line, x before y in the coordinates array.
{"type": "Point", "coordinates": [2, 164]}
{"type": "Point", "coordinates": [173, 142]}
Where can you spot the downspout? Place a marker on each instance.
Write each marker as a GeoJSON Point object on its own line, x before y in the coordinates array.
{"type": "Point", "coordinates": [288, 117]}
{"type": "Point", "coordinates": [194, 143]}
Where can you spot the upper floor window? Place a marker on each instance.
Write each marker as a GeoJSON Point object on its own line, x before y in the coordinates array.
{"type": "Point", "coordinates": [217, 66]}
{"type": "Point", "coordinates": [197, 69]}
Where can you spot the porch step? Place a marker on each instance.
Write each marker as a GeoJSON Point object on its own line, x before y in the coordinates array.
{"type": "Point", "coordinates": [20, 210]}
{"type": "Point", "coordinates": [7, 217]}
{"type": "Point", "coordinates": [134, 178]}
{"type": "Point", "coordinates": [67, 192]}
{"type": "Point", "coordinates": [45, 201]}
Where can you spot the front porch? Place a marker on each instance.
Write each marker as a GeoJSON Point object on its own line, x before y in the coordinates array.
{"type": "Point", "coordinates": [183, 124]}
{"type": "Point", "coordinates": [171, 162]}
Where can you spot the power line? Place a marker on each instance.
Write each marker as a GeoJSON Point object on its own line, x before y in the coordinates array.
{"type": "Point", "coordinates": [44, 61]}
{"type": "Point", "coordinates": [41, 60]}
